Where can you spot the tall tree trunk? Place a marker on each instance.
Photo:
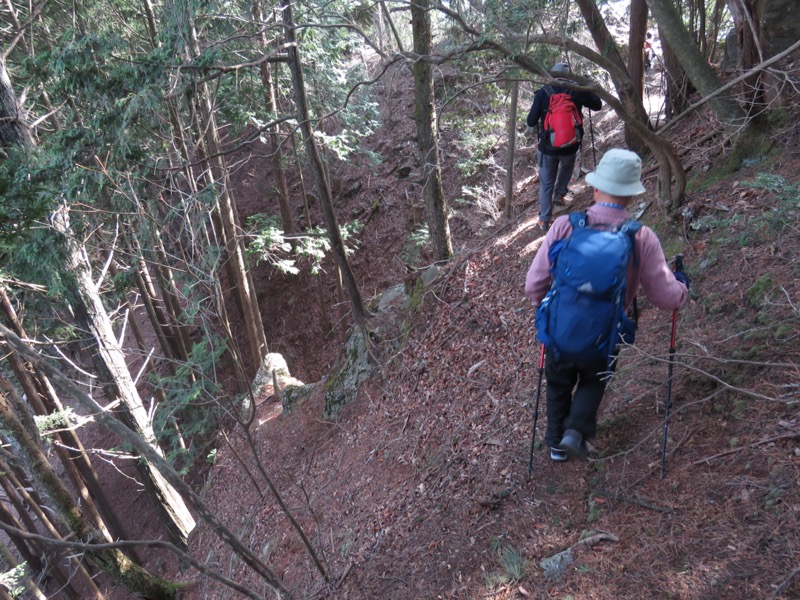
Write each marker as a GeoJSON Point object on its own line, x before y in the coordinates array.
{"type": "Point", "coordinates": [170, 294]}
{"type": "Point", "coordinates": [747, 16]}
{"type": "Point", "coordinates": [115, 378]}
{"type": "Point", "coordinates": [360, 314]}
{"type": "Point", "coordinates": [427, 137]}
{"type": "Point", "coordinates": [636, 63]}
{"type": "Point", "coordinates": [677, 87]}
{"type": "Point", "coordinates": [52, 113]}
{"type": "Point", "coordinates": [701, 26]}
{"type": "Point", "coordinates": [32, 394]}
{"type": "Point", "coordinates": [711, 37]}
{"type": "Point", "coordinates": [114, 562]}
{"type": "Point", "coordinates": [110, 362]}
{"type": "Point", "coordinates": [66, 386]}
{"type": "Point", "coordinates": [271, 106]}
{"type": "Point", "coordinates": [26, 501]}
{"type": "Point", "coordinates": [14, 130]}
{"type": "Point", "coordinates": [327, 327]}
{"type": "Point", "coordinates": [229, 216]}
{"type": "Point", "coordinates": [158, 320]}
{"type": "Point", "coordinates": [696, 66]}
{"type": "Point", "coordinates": [30, 551]}
{"type": "Point", "coordinates": [627, 90]}
{"type": "Point", "coordinates": [392, 26]}
{"type": "Point", "coordinates": [749, 139]}
{"type": "Point", "coordinates": [45, 401]}
{"type": "Point", "coordinates": [512, 142]}
{"type": "Point", "coordinates": [11, 562]}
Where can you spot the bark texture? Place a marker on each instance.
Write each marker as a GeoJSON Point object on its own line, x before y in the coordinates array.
{"type": "Point", "coordinates": [360, 314]}
{"type": "Point", "coordinates": [427, 137]}
{"type": "Point", "coordinates": [14, 129]}
{"type": "Point", "coordinates": [115, 563]}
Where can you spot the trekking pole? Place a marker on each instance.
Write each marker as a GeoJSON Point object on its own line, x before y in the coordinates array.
{"type": "Point", "coordinates": [678, 267]}
{"type": "Point", "coordinates": [536, 411]}
{"type": "Point", "coordinates": [591, 131]}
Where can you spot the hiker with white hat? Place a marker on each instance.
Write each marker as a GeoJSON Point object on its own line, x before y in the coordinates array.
{"type": "Point", "coordinates": [566, 284]}
{"type": "Point", "coordinates": [560, 111]}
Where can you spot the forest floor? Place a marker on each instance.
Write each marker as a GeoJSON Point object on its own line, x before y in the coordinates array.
{"type": "Point", "coordinates": [420, 488]}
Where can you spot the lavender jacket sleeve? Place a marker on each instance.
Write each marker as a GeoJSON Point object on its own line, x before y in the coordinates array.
{"type": "Point", "coordinates": [655, 277]}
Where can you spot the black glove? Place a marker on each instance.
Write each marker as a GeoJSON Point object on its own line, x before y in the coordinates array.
{"type": "Point", "coordinates": [683, 278]}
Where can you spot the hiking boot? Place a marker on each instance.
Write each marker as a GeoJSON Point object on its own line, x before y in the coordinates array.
{"type": "Point", "coordinates": [544, 226]}
{"type": "Point", "coordinates": [558, 454]}
{"type": "Point", "coordinates": [563, 200]}
{"type": "Point", "coordinates": [574, 444]}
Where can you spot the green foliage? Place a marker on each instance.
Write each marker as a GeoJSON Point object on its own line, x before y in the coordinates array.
{"type": "Point", "coordinates": [268, 244]}
{"type": "Point", "coordinates": [417, 240]}
{"type": "Point", "coordinates": [417, 295]}
{"type": "Point", "coordinates": [192, 401]}
{"type": "Point", "coordinates": [760, 290]}
{"type": "Point", "coordinates": [512, 565]}
{"type": "Point", "coordinates": [57, 420]}
{"type": "Point", "coordinates": [25, 197]}
{"type": "Point", "coordinates": [332, 78]}
{"type": "Point", "coordinates": [479, 135]}
{"type": "Point", "coordinates": [772, 499]}
{"type": "Point", "coordinates": [13, 580]}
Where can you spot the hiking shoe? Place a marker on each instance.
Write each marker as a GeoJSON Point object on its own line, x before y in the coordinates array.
{"type": "Point", "coordinates": [544, 226]}
{"type": "Point", "coordinates": [558, 454]}
{"type": "Point", "coordinates": [564, 200]}
{"type": "Point", "coordinates": [574, 444]}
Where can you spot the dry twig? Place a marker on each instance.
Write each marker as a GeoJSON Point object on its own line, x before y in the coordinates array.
{"type": "Point", "coordinates": [785, 436]}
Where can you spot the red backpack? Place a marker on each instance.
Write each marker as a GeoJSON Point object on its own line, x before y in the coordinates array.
{"type": "Point", "coordinates": [562, 122]}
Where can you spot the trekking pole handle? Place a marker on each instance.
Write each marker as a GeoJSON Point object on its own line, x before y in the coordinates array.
{"type": "Point", "coordinates": [679, 262]}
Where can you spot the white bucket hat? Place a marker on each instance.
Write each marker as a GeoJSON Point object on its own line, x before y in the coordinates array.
{"type": "Point", "coordinates": [559, 69]}
{"type": "Point", "coordinates": [618, 173]}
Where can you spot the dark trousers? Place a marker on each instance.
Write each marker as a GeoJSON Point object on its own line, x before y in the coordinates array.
{"type": "Point", "coordinates": [573, 410]}
{"type": "Point", "coordinates": [554, 175]}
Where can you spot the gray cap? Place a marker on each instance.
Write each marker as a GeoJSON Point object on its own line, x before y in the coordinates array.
{"type": "Point", "coordinates": [618, 173]}
{"type": "Point", "coordinates": [560, 69]}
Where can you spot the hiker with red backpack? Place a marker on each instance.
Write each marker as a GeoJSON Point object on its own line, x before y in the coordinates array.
{"type": "Point", "coordinates": [582, 280]}
{"type": "Point", "coordinates": [560, 111]}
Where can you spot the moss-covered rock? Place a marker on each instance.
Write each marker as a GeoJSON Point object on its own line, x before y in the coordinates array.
{"type": "Point", "coordinates": [295, 395]}
{"type": "Point", "coordinates": [352, 370]}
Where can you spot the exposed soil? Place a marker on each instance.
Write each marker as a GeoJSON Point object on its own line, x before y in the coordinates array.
{"type": "Point", "coordinates": [420, 488]}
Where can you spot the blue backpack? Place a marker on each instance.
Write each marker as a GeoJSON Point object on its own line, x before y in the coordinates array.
{"type": "Point", "coordinates": [582, 318]}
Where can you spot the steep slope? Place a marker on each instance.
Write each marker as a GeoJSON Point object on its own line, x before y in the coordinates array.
{"type": "Point", "coordinates": [420, 489]}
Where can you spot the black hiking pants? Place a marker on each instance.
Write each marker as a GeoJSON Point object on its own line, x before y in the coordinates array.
{"type": "Point", "coordinates": [574, 392]}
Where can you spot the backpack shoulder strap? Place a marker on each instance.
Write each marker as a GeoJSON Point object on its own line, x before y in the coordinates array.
{"type": "Point", "coordinates": [548, 89]}
{"type": "Point", "coordinates": [578, 219]}
{"type": "Point", "coordinates": [631, 228]}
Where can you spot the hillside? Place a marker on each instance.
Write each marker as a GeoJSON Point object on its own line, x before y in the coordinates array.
{"type": "Point", "coordinates": [420, 488]}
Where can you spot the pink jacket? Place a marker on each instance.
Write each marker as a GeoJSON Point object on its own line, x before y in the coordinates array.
{"type": "Point", "coordinates": [653, 274]}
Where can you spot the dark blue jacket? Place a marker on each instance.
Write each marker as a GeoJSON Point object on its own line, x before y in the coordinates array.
{"type": "Point", "coordinates": [541, 102]}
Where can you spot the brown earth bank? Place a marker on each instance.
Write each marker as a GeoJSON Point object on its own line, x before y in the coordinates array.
{"type": "Point", "coordinates": [420, 487]}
